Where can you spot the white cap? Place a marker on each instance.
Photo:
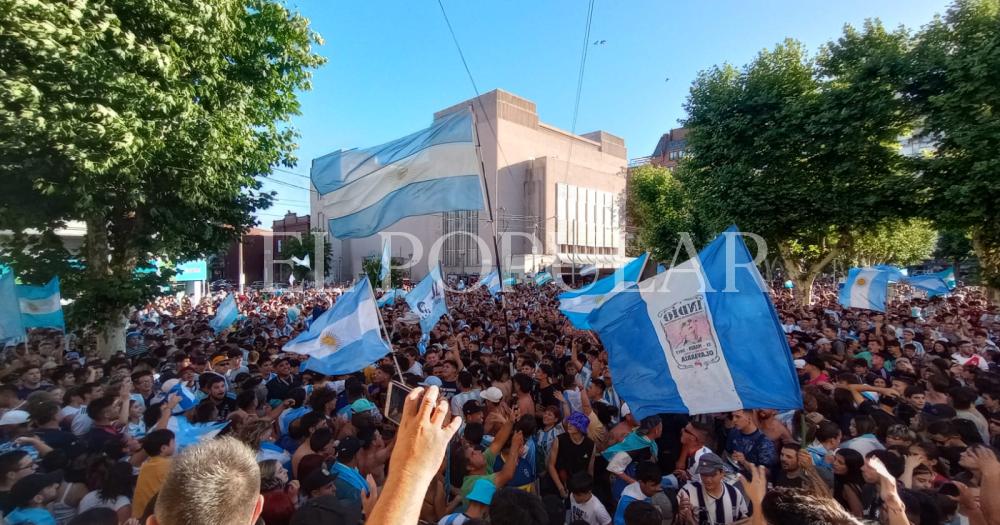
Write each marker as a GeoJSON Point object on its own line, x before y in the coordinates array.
{"type": "Point", "coordinates": [800, 364]}
{"type": "Point", "coordinates": [14, 417]}
{"type": "Point", "coordinates": [492, 394]}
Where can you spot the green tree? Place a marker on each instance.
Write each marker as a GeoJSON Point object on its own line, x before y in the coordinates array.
{"type": "Point", "coordinates": [661, 210]}
{"type": "Point", "coordinates": [372, 266]}
{"type": "Point", "coordinates": [150, 123]}
{"type": "Point", "coordinates": [954, 246]}
{"type": "Point", "coordinates": [305, 247]}
{"type": "Point", "coordinates": [895, 242]}
{"type": "Point", "coordinates": [803, 150]}
{"type": "Point", "coordinates": [957, 91]}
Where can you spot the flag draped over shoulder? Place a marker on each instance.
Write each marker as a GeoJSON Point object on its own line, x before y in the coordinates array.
{"type": "Point", "coordinates": [344, 339]}
{"type": "Point", "coordinates": [41, 306]}
{"type": "Point", "coordinates": [702, 337]}
{"type": "Point", "coordinates": [579, 304]}
{"type": "Point", "coordinates": [433, 170]}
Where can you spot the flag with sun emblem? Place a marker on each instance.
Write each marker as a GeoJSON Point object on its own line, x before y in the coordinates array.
{"type": "Point", "coordinates": [578, 304]}
{"type": "Point", "coordinates": [41, 306]}
{"type": "Point", "coordinates": [345, 338]}
{"type": "Point", "coordinates": [865, 288]}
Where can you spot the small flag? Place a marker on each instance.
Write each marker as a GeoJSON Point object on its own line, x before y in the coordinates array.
{"type": "Point", "coordinates": [578, 304]}
{"type": "Point", "coordinates": [427, 300]}
{"type": "Point", "coordinates": [304, 261]}
{"type": "Point", "coordinates": [390, 297]}
{"type": "Point", "coordinates": [590, 269]}
{"type": "Point", "coordinates": [291, 280]}
{"type": "Point", "coordinates": [932, 283]}
{"type": "Point", "coordinates": [11, 327]}
{"type": "Point", "coordinates": [344, 339]}
{"type": "Point", "coordinates": [188, 398]}
{"type": "Point", "coordinates": [543, 278]}
{"type": "Point", "coordinates": [225, 314]}
{"type": "Point", "coordinates": [187, 433]}
{"type": "Point", "coordinates": [701, 338]}
{"type": "Point", "coordinates": [41, 306]}
{"type": "Point", "coordinates": [491, 282]}
{"type": "Point", "coordinates": [386, 264]}
{"type": "Point", "coordinates": [865, 288]}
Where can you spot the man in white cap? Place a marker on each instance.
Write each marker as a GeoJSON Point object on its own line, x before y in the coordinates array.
{"type": "Point", "coordinates": [494, 419]}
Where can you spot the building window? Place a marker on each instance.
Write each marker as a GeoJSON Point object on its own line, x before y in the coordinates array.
{"type": "Point", "coordinates": [460, 250]}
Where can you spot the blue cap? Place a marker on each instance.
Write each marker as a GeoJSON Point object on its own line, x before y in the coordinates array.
{"type": "Point", "coordinates": [431, 381]}
{"type": "Point", "coordinates": [482, 491]}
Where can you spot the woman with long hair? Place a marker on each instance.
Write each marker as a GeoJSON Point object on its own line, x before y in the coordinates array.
{"type": "Point", "coordinates": [279, 493]}
{"type": "Point", "coordinates": [114, 490]}
{"type": "Point", "coordinates": [847, 480]}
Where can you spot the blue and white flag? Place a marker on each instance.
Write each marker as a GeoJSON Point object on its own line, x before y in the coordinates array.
{"type": "Point", "coordinates": [491, 282]}
{"type": "Point", "coordinates": [896, 274]}
{"type": "Point", "coordinates": [510, 281]}
{"type": "Point", "coordinates": [590, 269]}
{"type": "Point", "coordinates": [932, 283]}
{"type": "Point", "coordinates": [41, 306]}
{"type": "Point", "coordinates": [579, 304]}
{"type": "Point", "coordinates": [701, 338]}
{"type": "Point", "coordinates": [225, 314]}
{"type": "Point", "coordinates": [304, 261]}
{"type": "Point", "coordinates": [344, 339]}
{"type": "Point", "coordinates": [433, 170]}
{"type": "Point", "coordinates": [11, 327]}
{"type": "Point", "coordinates": [385, 263]}
{"type": "Point", "coordinates": [188, 398]}
{"type": "Point", "coordinates": [426, 299]}
{"type": "Point", "coordinates": [948, 276]}
{"type": "Point", "coordinates": [543, 278]}
{"type": "Point", "coordinates": [865, 288]}
{"type": "Point", "coordinates": [187, 433]}
{"type": "Point", "coordinates": [660, 268]}
{"type": "Point", "coordinates": [391, 296]}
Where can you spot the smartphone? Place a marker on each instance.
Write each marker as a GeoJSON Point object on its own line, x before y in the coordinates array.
{"type": "Point", "coordinates": [394, 401]}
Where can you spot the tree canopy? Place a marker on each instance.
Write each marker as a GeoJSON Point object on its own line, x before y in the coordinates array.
{"type": "Point", "coordinates": [147, 121]}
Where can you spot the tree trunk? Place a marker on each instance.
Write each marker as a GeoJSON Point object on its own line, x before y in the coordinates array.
{"type": "Point", "coordinates": [804, 274]}
{"type": "Point", "coordinates": [111, 338]}
{"type": "Point", "coordinates": [987, 247]}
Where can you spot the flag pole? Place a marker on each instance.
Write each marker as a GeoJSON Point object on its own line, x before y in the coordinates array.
{"type": "Point", "coordinates": [493, 229]}
{"type": "Point", "coordinates": [388, 338]}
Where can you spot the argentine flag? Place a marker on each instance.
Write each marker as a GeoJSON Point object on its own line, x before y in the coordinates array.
{"type": "Point", "coordinates": [345, 338]}
{"type": "Point", "coordinates": [426, 299]}
{"type": "Point", "coordinates": [11, 327]}
{"type": "Point", "coordinates": [225, 314]}
{"type": "Point", "coordinates": [696, 340]}
{"type": "Point", "coordinates": [543, 278]}
{"type": "Point", "coordinates": [590, 269]}
{"type": "Point", "coordinates": [41, 306]}
{"type": "Point", "coordinates": [187, 433]}
{"type": "Point", "coordinates": [491, 282]}
{"type": "Point", "coordinates": [866, 288]}
{"type": "Point", "coordinates": [386, 262]}
{"type": "Point", "coordinates": [932, 283]}
{"type": "Point", "coordinates": [391, 296]}
{"type": "Point", "coordinates": [579, 304]}
{"type": "Point", "coordinates": [433, 170]}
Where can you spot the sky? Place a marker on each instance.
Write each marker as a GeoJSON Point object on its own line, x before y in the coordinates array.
{"type": "Point", "coordinates": [392, 64]}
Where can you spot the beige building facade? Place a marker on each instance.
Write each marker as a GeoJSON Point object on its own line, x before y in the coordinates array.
{"type": "Point", "coordinates": [558, 203]}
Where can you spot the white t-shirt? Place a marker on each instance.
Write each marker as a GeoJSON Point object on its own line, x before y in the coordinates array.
{"type": "Point", "coordinates": [592, 511]}
{"type": "Point", "coordinates": [93, 500]}
{"type": "Point", "coordinates": [68, 411]}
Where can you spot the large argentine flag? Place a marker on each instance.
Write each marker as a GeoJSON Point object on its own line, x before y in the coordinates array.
{"type": "Point", "coordinates": [427, 300]}
{"type": "Point", "coordinates": [41, 306]}
{"type": "Point", "coordinates": [676, 345]}
{"type": "Point", "coordinates": [932, 283]}
{"type": "Point", "coordinates": [579, 304]}
{"type": "Point", "coordinates": [865, 288]}
{"type": "Point", "coordinates": [345, 338]}
{"type": "Point", "coordinates": [433, 170]}
{"type": "Point", "coordinates": [10, 310]}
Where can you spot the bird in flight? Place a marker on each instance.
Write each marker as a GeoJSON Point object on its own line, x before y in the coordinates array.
{"type": "Point", "coordinates": [600, 42]}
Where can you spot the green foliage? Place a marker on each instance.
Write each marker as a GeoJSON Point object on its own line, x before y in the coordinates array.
{"type": "Point", "coordinates": [803, 150]}
{"type": "Point", "coordinates": [896, 242]}
{"type": "Point", "coordinates": [956, 88]}
{"type": "Point", "coordinates": [372, 266]}
{"type": "Point", "coordinates": [954, 245]}
{"type": "Point", "coordinates": [661, 210]}
{"type": "Point", "coordinates": [149, 122]}
{"type": "Point", "coordinates": [305, 247]}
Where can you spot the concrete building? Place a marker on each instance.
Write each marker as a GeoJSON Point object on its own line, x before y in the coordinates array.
{"type": "Point", "coordinates": [242, 262]}
{"type": "Point", "coordinates": [670, 149]}
{"type": "Point", "coordinates": [565, 190]}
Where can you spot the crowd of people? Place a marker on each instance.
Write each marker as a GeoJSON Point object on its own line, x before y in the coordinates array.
{"type": "Point", "coordinates": [900, 422]}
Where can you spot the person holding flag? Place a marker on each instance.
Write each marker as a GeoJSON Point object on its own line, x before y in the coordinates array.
{"type": "Point", "coordinates": [428, 301]}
